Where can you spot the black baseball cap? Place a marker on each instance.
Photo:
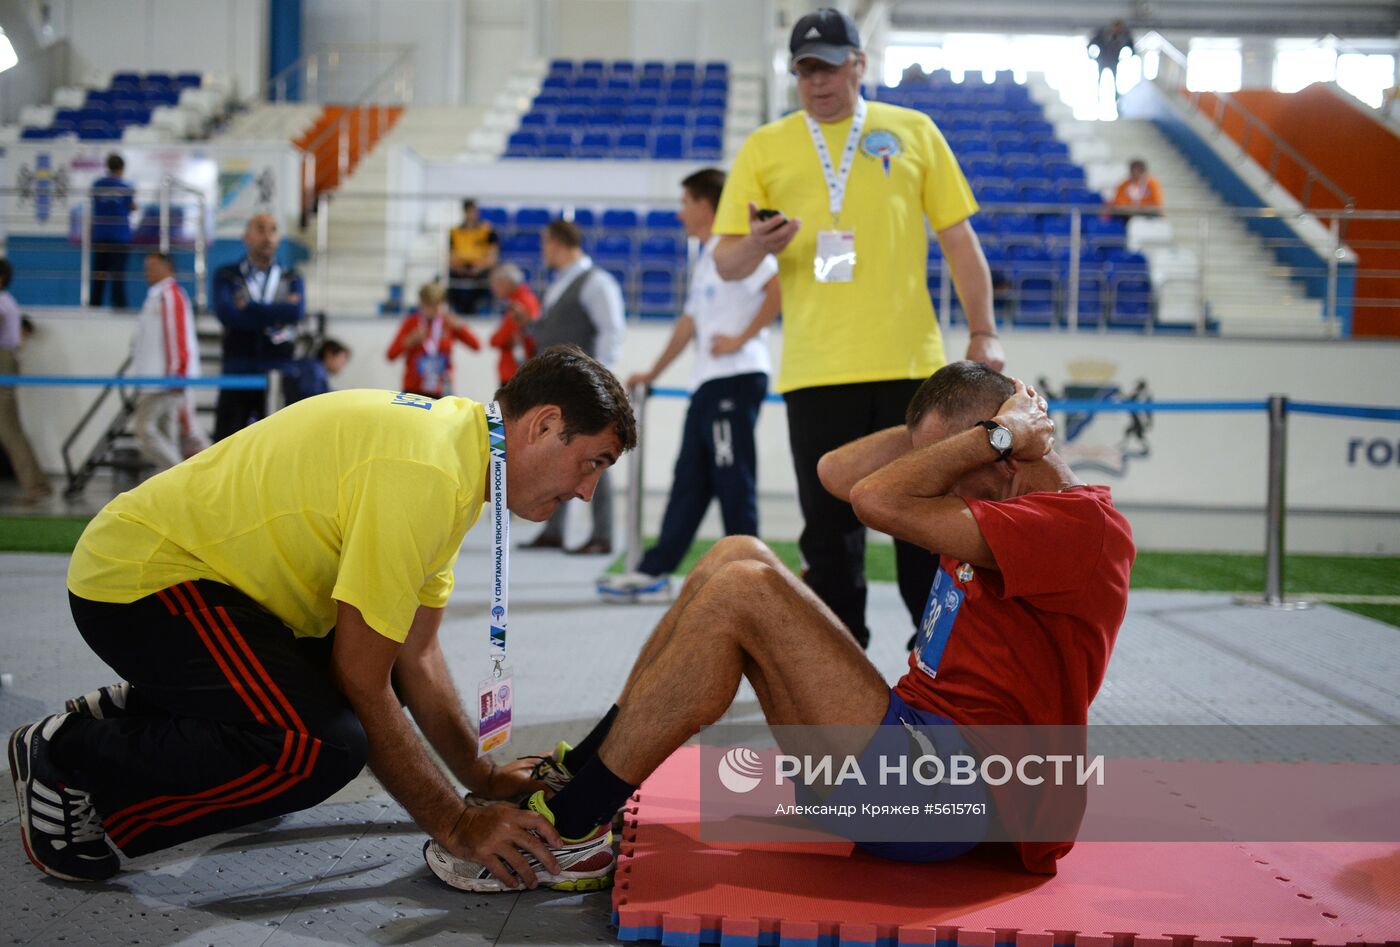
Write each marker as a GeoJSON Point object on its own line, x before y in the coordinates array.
{"type": "Point", "coordinates": [828, 35]}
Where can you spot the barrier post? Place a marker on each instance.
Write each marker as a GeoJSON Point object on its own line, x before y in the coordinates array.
{"type": "Point", "coordinates": [274, 391]}
{"type": "Point", "coordinates": [638, 394]}
{"type": "Point", "coordinates": [85, 263]}
{"type": "Point", "coordinates": [165, 214]}
{"type": "Point", "coordinates": [201, 259]}
{"type": "Point", "coordinates": [323, 240]}
{"type": "Point", "coordinates": [1275, 512]}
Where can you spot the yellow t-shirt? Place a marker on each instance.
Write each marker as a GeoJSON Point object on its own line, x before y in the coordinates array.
{"type": "Point", "coordinates": [361, 497]}
{"type": "Point", "coordinates": [881, 325]}
{"type": "Point", "coordinates": [471, 244]}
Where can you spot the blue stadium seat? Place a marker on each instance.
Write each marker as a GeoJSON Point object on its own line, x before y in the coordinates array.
{"type": "Point", "coordinates": [586, 83]}
{"type": "Point", "coordinates": [650, 83]}
{"type": "Point", "coordinates": [612, 248]}
{"type": "Point", "coordinates": [594, 66]}
{"type": "Point", "coordinates": [126, 78]}
{"type": "Point", "coordinates": [585, 218]}
{"type": "Point", "coordinates": [552, 100]}
{"type": "Point", "coordinates": [684, 68]}
{"type": "Point", "coordinates": [659, 249]}
{"type": "Point", "coordinates": [623, 67]}
{"type": "Point", "coordinates": [32, 133]}
{"type": "Point", "coordinates": [639, 118]}
{"type": "Point", "coordinates": [98, 131]}
{"type": "Point", "coordinates": [646, 100]}
{"type": "Point", "coordinates": [706, 146]}
{"type": "Point", "coordinates": [521, 247]}
{"type": "Point", "coordinates": [522, 145]}
{"type": "Point", "coordinates": [663, 221]}
{"type": "Point", "coordinates": [534, 119]}
{"type": "Point", "coordinates": [714, 120]}
{"type": "Point", "coordinates": [497, 217]}
{"type": "Point", "coordinates": [622, 84]}
{"type": "Point", "coordinates": [555, 82]}
{"type": "Point", "coordinates": [684, 84]}
{"type": "Point", "coordinates": [565, 66]}
{"type": "Point", "coordinates": [595, 144]}
{"type": "Point", "coordinates": [715, 84]}
{"type": "Point", "coordinates": [673, 118]}
{"type": "Point", "coordinates": [570, 118]}
{"type": "Point", "coordinates": [668, 146]}
{"type": "Point", "coordinates": [716, 68]}
{"type": "Point", "coordinates": [619, 218]}
{"type": "Point", "coordinates": [189, 80]}
{"type": "Point", "coordinates": [631, 146]}
{"type": "Point", "coordinates": [711, 101]}
{"type": "Point", "coordinates": [653, 67]}
{"type": "Point", "coordinates": [557, 145]}
{"type": "Point", "coordinates": [1132, 300]}
{"type": "Point", "coordinates": [532, 218]}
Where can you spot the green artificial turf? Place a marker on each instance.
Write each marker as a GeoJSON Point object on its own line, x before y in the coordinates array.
{"type": "Point", "coordinates": [1316, 576]}
{"type": "Point", "coordinates": [40, 533]}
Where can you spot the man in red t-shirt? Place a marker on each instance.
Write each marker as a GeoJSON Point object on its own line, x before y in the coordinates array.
{"type": "Point", "coordinates": [1020, 623]}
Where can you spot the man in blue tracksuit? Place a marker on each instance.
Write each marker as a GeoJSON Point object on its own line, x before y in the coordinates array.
{"type": "Point", "coordinates": [113, 201]}
{"type": "Point", "coordinates": [261, 304]}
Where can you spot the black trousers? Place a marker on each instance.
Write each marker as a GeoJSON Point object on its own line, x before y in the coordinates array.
{"type": "Point", "coordinates": [833, 539]}
{"type": "Point", "coordinates": [717, 460]}
{"type": "Point", "coordinates": [109, 266]}
{"type": "Point", "coordinates": [231, 718]}
{"type": "Point", "coordinates": [236, 409]}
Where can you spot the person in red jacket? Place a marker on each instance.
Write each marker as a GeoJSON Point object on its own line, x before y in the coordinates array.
{"type": "Point", "coordinates": [424, 342]}
{"type": "Point", "coordinates": [522, 308]}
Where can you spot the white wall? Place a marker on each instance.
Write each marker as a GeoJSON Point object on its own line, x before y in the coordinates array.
{"type": "Point", "coordinates": [432, 27]}
{"type": "Point", "coordinates": [228, 37]}
{"type": "Point", "coordinates": [657, 29]}
{"type": "Point", "coordinates": [1199, 484]}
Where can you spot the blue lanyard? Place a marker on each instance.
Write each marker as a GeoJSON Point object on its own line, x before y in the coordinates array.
{"type": "Point", "coordinates": [500, 559]}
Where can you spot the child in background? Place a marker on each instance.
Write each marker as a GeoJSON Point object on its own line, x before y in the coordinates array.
{"type": "Point", "coordinates": [425, 340]}
{"type": "Point", "coordinates": [312, 376]}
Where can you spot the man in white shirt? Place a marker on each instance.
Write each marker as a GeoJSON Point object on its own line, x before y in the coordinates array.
{"type": "Point", "coordinates": [583, 307]}
{"type": "Point", "coordinates": [165, 344]}
{"type": "Point", "coordinates": [728, 322]}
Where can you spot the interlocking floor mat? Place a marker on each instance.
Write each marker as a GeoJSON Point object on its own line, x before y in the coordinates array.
{"type": "Point", "coordinates": [674, 888]}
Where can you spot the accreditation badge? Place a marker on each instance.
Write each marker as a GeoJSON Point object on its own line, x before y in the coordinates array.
{"type": "Point", "coordinates": [495, 698]}
{"type": "Point", "coordinates": [835, 261]}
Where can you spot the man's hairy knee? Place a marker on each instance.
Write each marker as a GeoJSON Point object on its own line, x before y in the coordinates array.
{"type": "Point", "coordinates": [740, 548]}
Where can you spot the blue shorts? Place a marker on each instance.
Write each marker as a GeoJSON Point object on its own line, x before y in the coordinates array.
{"type": "Point", "coordinates": [971, 830]}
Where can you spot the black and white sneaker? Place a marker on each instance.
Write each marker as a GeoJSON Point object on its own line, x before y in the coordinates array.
{"type": "Point", "coordinates": [61, 832]}
{"type": "Point", "coordinates": [585, 864]}
{"type": "Point", "coordinates": [101, 704]}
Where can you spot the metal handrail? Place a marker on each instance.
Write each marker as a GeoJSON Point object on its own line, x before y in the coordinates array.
{"type": "Point", "coordinates": [311, 63]}
{"type": "Point", "coordinates": [341, 127]}
{"type": "Point", "coordinates": [1225, 103]}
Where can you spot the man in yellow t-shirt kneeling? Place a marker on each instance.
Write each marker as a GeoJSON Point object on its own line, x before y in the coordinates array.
{"type": "Point", "coordinates": [264, 601]}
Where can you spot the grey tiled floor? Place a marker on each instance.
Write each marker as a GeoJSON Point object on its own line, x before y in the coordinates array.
{"type": "Point", "coordinates": [350, 870]}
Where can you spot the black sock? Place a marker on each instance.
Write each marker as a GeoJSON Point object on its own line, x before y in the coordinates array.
{"type": "Point", "coordinates": [587, 748]}
{"type": "Point", "coordinates": [589, 800]}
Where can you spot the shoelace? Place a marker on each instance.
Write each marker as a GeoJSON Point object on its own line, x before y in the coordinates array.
{"type": "Point", "coordinates": [86, 823]}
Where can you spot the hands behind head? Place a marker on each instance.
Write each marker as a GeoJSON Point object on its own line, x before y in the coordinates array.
{"type": "Point", "coordinates": [1032, 429]}
{"type": "Point", "coordinates": [775, 233]}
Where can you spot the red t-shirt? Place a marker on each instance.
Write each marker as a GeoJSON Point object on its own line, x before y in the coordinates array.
{"type": "Point", "coordinates": [1031, 640]}
{"type": "Point", "coordinates": [512, 334]}
{"type": "Point", "coordinates": [428, 365]}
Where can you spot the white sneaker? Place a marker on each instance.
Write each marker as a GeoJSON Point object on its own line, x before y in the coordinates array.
{"type": "Point", "coordinates": [635, 587]}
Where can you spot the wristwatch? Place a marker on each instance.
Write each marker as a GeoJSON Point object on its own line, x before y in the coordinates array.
{"type": "Point", "coordinates": [999, 437]}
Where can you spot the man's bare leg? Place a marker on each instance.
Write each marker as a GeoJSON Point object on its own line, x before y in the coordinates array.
{"type": "Point", "coordinates": [749, 618]}
{"type": "Point", "coordinates": [741, 614]}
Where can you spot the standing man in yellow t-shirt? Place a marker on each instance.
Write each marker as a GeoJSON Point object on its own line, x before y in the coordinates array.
{"type": "Point", "coordinates": [853, 183]}
{"type": "Point", "coordinates": [473, 248]}
{"type": "Point", "coordinates": [265, 600]}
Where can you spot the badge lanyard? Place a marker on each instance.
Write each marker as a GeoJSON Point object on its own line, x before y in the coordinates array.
{"type": "Point", "coordinates": [495, 694]}
{"type": "Point", "coordinates": [835, 259]}
{"type": "Point", "coordinates": [432, 342]}
{"type": "Point", "coordinates": [269, 285]}
{"type": "Point", "coordinates": [836, 178]}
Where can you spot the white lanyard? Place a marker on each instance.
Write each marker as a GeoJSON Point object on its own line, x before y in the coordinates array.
{"type": "Point", "coordinates": [269, 285]}
{"type": "Point", "coordinates": [430, 344]}
{"type": "Point", "coordinates": [500, 559]}
{"type": "Point", "coordinates": [836, 178]}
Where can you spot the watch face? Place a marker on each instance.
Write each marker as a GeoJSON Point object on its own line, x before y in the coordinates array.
{"type": "Point", "coordinates": [1001, 439]}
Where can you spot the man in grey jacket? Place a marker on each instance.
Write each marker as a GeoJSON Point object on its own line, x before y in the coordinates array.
{"type": "Point", "coordinates": [582, 306]}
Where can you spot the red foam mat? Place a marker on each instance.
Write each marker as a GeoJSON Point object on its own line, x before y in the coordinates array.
{"type": "Point", "coordinates": [672, 887]}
